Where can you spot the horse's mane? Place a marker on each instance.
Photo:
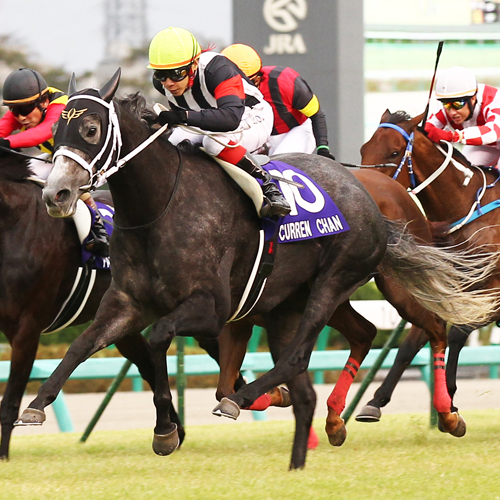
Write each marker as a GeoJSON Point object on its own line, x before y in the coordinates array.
{"type": "Point", "coordinates": [136, 105]}
{"type": "Point", "coordinates": [398, 117]}
{"type": "Point", "coordinates": [14, 168]}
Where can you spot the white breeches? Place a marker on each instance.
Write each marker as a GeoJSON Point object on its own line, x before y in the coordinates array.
{"type": "Point", "coordinates": [41, 168]}
{"type": "Point", "coordinates": [254, 130]}
{"type": "Point", "coordinates": [487, 156]}
{"type": "Point", "coordinates": [297, 140]}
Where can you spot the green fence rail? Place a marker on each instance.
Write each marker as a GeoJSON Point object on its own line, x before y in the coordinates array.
{"type": "Point", "coordinates": [253, 364]}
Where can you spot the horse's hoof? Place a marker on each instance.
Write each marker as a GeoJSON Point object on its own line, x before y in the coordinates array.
{"type": "Point", "coordinates": [165, 444]}
{"type": "Point", "coordinates": [338, 437]}
{"type": "Point", "coordinates": [460, 429]}
{"type": "Point", "coordinates": [227, 408]}
{"type": "Point", "coordinates": [30, 416]}
{"type": "Point", "coordinates": [286, 400]}
{"type": "Point", "coordinates": [369, 414]}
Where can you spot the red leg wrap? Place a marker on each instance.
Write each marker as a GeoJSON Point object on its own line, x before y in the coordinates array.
{"type": "Point", "coordinates": [313, 441]}
{"type": "Point", "coordinates": [337, 398]}
{"type": "Point", "coordinates": [442, 400]}
{"type": "Point", "coordinates": [261, 403]}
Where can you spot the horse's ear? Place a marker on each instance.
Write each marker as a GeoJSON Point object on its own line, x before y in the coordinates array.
{"type": "Point", "coordinates": [415, 121]}
{"type": "Point", "coordinates": [72, 85]}
{"type": "Point", "coordinates": [385, 116]}
{"type": "Point", "coordinates": [109, 89]}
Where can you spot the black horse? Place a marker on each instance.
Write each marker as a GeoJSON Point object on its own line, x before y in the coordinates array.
{"type": "Point", "coordinates": [39, 260]}
{"type": "Point", "coordinates": [183, 247]}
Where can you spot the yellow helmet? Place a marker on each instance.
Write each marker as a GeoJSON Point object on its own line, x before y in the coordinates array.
{"type": "Point", "coordinates": [173, 48]}
{"type": "Point", "coordinates": [244, 57]}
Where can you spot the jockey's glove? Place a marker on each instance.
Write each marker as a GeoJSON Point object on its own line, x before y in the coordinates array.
{"type": "Point", "coordinates": [325, 151]}
{"type": "Point", "coordinates": [436, 134]}
{"type": "Point", "coordinates": [6, 144]}
{"type": "Point", "coordinates": [172, 117]}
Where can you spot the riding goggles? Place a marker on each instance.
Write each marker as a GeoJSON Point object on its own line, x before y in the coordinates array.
{"type": "Point", "coordinates": [176, 75]}
{"type": "Point", "coordinates": [458, 104]}
{"type": "Point", "coordinates": [23, 110]}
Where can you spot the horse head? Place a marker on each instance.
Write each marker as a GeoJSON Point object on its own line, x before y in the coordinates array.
{"type": "Point", "coordinates": [86, 142]}
{"type": "Point", "coordinates": [386, 144]}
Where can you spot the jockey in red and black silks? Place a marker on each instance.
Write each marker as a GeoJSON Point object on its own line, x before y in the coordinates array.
{"type": "Point", "coordinates": [299, 121]}
{"type": "Point", "coordinates": [34, 108]}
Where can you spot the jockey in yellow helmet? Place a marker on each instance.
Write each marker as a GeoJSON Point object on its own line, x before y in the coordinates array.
{"type": "Point", "coordinates": [207, 91]}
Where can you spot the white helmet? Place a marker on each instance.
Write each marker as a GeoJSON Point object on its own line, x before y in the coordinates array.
{"type": "Point", "coordinates": [456, 82]}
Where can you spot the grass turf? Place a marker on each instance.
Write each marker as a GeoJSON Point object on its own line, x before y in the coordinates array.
{"type": "Point", "coordinates": [398, 458]}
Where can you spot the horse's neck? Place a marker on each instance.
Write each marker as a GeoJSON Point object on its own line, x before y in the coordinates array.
{"type": "Point", "coordinates": [141, 188]}
{"type": "Point", "coordinates": [445, 198]}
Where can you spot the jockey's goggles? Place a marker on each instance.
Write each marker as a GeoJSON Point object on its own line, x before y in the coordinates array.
{"type": "Point", "coordinates": [23, 110]}
{"type": "Point", "coordinates": [176, 75]}
{"type": "Point", "coordinates": [457, 104]}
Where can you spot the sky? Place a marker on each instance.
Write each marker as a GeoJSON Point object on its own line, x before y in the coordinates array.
{"type": "Point", "coordinates": [70, 33]}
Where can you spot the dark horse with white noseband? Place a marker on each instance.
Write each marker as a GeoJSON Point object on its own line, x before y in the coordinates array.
{"type": "Point", "coordinates": [183, 247]}
{"type": "Point", "coordinates": [39, 261]}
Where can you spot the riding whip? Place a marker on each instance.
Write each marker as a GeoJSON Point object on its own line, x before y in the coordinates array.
{"type": "Point", "coordinates": [438, 55]}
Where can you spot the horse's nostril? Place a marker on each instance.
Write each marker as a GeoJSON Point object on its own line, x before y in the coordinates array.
{"type": "Point", "coordinates": [62, 196]}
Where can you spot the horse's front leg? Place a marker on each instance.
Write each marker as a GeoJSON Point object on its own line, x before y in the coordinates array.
{"type": "Point", "coordinates": [457, 337]}
{"type": "Point", "coordinates": [196, 316]}
{"type": "Point", "coordinates": [449, 421]}
{"type": "Point", "coordinates": [360, 333]}
{"type": "Point", "coordinates": [411, 345]}
{"type": "Point", "coordinates": [115, 318]}
{"type": "Point", "coordinates": [24, 342]}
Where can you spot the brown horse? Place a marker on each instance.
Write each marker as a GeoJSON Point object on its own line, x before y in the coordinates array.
{"type": "Point", "coordinates": [449, 190]}
{"type": "Point", "coordinates": [396, 204]}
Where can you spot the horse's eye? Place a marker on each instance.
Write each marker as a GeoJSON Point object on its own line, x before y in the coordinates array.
{"type": "Point", "coordinates": [92, 132]}
{"type": "Point", "coordinates": [394, 154]}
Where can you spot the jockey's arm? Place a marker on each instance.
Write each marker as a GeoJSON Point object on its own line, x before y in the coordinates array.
{"type": "Point", "coordinates": [39, 134]}
{"type": "Point", "coordinates": [226, 85]}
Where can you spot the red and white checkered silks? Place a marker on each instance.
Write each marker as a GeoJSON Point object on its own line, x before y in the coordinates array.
{"type": "Point", "coordinates": [482, 129]}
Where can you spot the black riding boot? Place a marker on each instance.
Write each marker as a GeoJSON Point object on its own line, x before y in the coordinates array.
{"type": "Point", "coordinates": [276, 204]}
{"type": "Point", "coordinates": [99, 243]}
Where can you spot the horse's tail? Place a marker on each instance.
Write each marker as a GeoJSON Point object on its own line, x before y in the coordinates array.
{"type": "Point", "coordinates": [446, 282]}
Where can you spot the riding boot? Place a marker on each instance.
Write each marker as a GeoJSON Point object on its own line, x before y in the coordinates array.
{"type": "Point", "coordinates": [276, 204]}
{"type": "Point", "coordinates": [99, 242]}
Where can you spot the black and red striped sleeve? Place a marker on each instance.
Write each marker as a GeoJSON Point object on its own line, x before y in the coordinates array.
{"type": "Point", "coordinates": [225, 83]}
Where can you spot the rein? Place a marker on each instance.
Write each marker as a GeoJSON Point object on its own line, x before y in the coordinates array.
{"type": "Point", "coordinates": [113, 162]}
{"type": "Point", "coordinates": [476, 210]}
{"type": "Point", "coordinates": [24, 155]}
{"type": "Point", "coordinates": [165, 210]}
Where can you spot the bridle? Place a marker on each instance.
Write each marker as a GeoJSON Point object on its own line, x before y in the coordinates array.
{"type": "Point", "coordinates": [107, 161]}
{"type": "Point", "coordinates": [475, 210]}
{"type": "Point", "coordinates": [407, 158]}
